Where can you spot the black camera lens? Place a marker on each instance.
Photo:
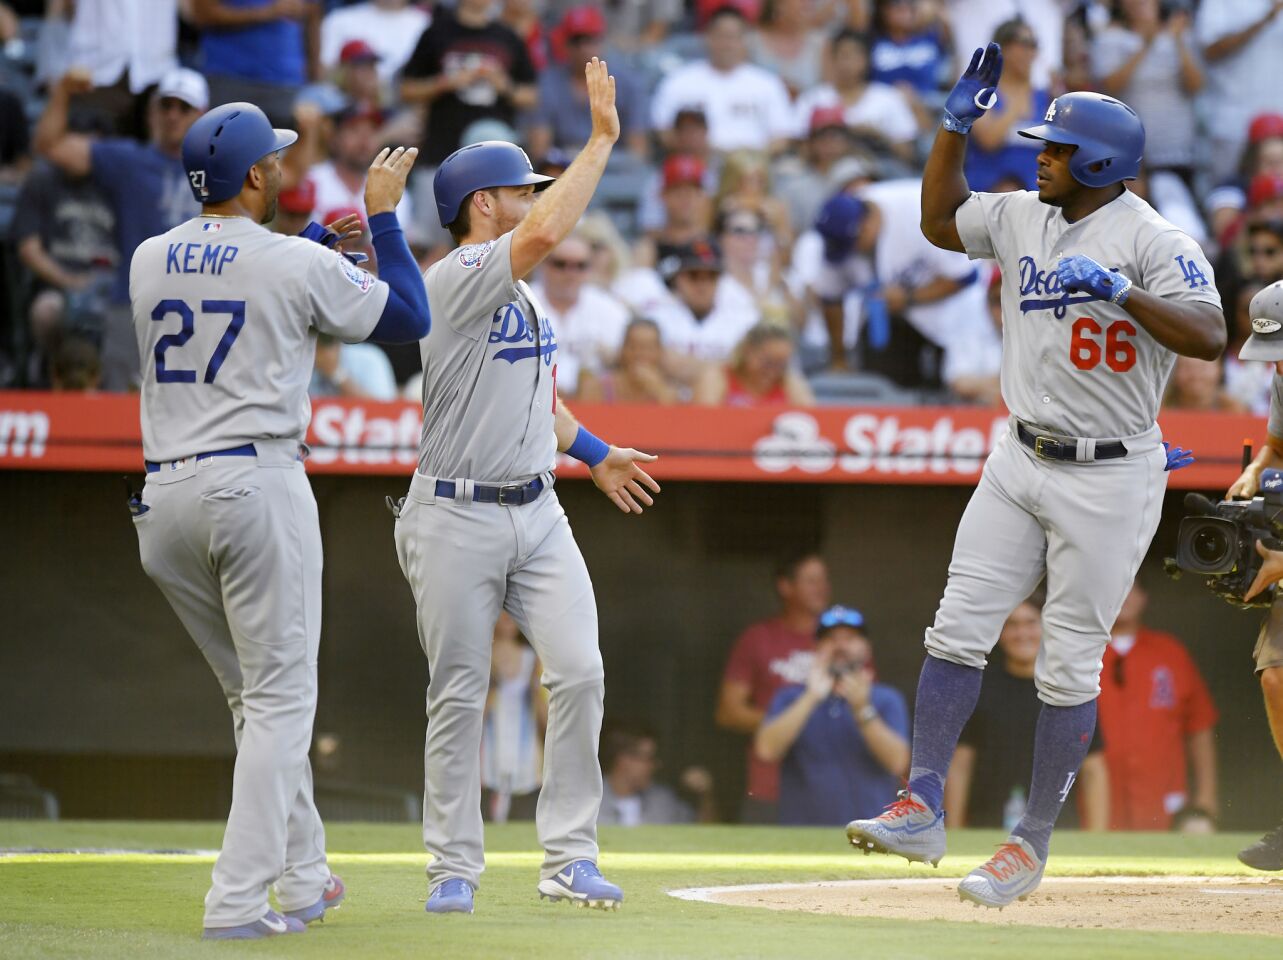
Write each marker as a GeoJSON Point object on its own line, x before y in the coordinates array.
{"type": "Point", "coordinates": [1210, 545]}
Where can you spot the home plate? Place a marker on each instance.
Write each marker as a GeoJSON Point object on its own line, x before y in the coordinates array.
{"type": "Point", "coordinates": [1169, 904]}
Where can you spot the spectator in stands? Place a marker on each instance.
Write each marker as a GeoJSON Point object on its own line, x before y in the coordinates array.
{"type": "Point", "coordinates": [878, 115]}
{"type": "Point", "coordinates": [834, 260]}
{"type": "Point", "coordinates": [390, 28]}
{"type": "Point", "coordinates": [1155, 712]}
{"type": "Point", "coordinates": [689, 138]}
{"type": "Point", "coordinates": [75, 366]}
{"type": "Point", "coordinates": [972, 24]}
{"type": "Point", "coordinates": [753, 262]}
{"type": "Point", "coordinates": [294, 208]}
{"type": "Point", "coordinates": [841, 738]}
{"type": "Point", "coordinates": [15, 139]}
{"type": "Point", "coordinates": [126, 49]}
{"type": "Point", "coordinates": [995, 149]}
{"type": "Point", "coordinates": [635, 25]}
{"type": "Point", "coordinates": [638, 376]}
{"type": "Point", "coordinates": [746, 106]}
{"type": "Point", "coordinates": [989, 777]}
{"type": "Point", "coordinates": [64, 228]}
{"type": "Point", "coordinates": [145, 181]}
{"type": "Point", "coordinates": [512, 733]}
{"type": "Point", "coordinates": [359, 84]}
{"type": "Point", "coordinates": [467, 66]}
{"type": "Point", "coordinates": [630, 795]}
{"type": "Point", "coordinates": [697, 325]}
{"type": "Point", "coordinates": [562, 117]}
{"type": "Point", "coordinates": [760, 373]}
{"type": "Point", "coordinates": [688, 207]}
{"type": "Point", "coordinates": [910, 48]}
{"type": "Point", "coordinates": [1147, 59]}
{"type": "Point", "coordinates": [1240, 43]}
{"type": "Point", "coordinates": [1265, 250]}
{"type": "Point", "coordinates": [1200, 385]}
{"type": "Point", "coordinates": [787, 44]}
{"type": "Point", "coordinates": [260, 51]}
{"type": "Point", "coordinates": [589, 323]}
{"type": "Point", "coordinates": [973, 364]}
{"type": "Point", "coordinates": [1248, 382]}
{"type": "Point", "coordinates": [765, 657]}
{"type": "Point", "coordinates": [358, 370]}
{"type": "Point", "coordinates": [804, 182]}
{"type": "Point", "coordinates": [339, 182]}
{"type": "Point", "coordinates": [1227, 203]}
{"type": "Point", "coordinates": [522, 17]}
{"type": "Point", "coordinates": [745, 184]}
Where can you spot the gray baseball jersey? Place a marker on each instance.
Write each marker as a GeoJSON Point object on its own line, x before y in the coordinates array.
{"type": "Point", "coordinates": [1276, 406]}
{"type": "Point", "coordinates": [488, 371]}
{"type": "Point", "coordinates": [226, 315]}
{"type": "Point", "coordinates": [1072, 363]}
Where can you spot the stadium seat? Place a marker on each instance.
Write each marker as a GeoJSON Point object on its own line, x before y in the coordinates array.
{"type": "Point", "coordinates": [859, 389]}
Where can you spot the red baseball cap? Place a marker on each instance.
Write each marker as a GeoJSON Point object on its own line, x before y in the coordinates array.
{"type": "Point", "coordinates": [1264, 126]}
{"type": "Point", "coordinates": [1264, 188]}
{"type": "Point", "coordinates": [683, 168]}
{"type": "Point", "coordinates": [705, 10]}
{"type": "Point", "coordinates": [583, 21]}
{"type": "Point", "coordinates": [299, 200]}
{"type": "Point", "coordinates": [358, 51]}
{"type": "Point", "coordinates": [822, 118]}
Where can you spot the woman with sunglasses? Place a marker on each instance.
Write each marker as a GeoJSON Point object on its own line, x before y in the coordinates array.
{"type": "Point", "coordinates": [995, 151]}
{"type": "Point", "coordinates": [759, 374]}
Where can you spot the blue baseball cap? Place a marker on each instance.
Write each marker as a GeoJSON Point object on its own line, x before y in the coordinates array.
{"type": "Point", "coordinates": [839, 616]}
{"type": "Point", "coordinates": [839, 223]}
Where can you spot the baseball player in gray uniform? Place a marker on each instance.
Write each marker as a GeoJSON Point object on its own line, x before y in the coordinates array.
{"type": "Point", "coordinates": [1099, 294]}
{"type": "Point", "coordinates": [226, 314]}
{"type": "Point", "coordinates": [481, 529]}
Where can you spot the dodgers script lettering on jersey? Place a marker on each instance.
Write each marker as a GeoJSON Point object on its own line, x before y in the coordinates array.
{"type": "Point", "coordinates": [1073, 363]}
{"type": "Point", "coordinates": [489, 371]}
{"type": "Point", "coordinates": [226, 315]}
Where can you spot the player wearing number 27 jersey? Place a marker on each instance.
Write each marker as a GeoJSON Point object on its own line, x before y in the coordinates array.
{"type": "Point", "coordinates": [1099, 295]}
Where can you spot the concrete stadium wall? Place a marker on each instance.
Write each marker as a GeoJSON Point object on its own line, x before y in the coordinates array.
{"type": "Point", "coordinates": [93, 665]}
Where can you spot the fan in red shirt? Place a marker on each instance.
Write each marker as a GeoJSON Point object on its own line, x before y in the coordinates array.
{"type": "Point", "coordinates": [1154, 710]}
{"type": "Point", "coordinates": [767, 656]}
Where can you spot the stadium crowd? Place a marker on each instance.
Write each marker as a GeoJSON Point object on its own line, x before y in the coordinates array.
{"type": "Point", "coordinates": [755, 239]}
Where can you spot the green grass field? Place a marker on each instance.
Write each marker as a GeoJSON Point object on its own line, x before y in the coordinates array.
{"type": "Point", "coordinates": [139, 905]}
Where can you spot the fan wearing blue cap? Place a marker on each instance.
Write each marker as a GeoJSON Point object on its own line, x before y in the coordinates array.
{"type": "Point", "coordinates": [841, 738]}
{"type": "Point", "coordinates": [849, 228]}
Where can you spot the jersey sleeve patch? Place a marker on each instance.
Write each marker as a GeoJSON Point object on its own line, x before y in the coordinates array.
{"type": "Point", "coordinates": [474, 254]}
{"type": "Point", "coordinates": [361, 279]}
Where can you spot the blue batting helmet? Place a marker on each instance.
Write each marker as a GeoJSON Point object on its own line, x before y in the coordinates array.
{"type": "Point", "coordinates": [223, 144]}
{"type": "Point", "coordinates": [1105, 131]}
{"type": "Point", "coordinates": [839, 224]}
{"type": "Point", "coordinates": [481, 166]}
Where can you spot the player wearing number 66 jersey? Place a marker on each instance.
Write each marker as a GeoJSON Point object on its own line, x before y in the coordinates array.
{"type": "Point", "coordinates": [226, 314]}
{"type": "Point", "coordinates": [1099, 294]}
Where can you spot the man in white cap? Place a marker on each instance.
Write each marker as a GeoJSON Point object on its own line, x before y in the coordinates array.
{"type": "Point", "coordinates": [145, 181]}
{"type": "Point", "coordinates": [1266, 343]}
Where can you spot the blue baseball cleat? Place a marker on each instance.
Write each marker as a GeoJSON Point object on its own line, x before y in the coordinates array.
{"type": "Point", "coordinates": [271, 924]}
{"type": "Point", "coordinates": [1012, 873]}
{"type": "Point", "coordinates": [908, 828]}
{"type": "Point", "coordinates": [450, 896]}
{"type": "Point", "coordinates": [582, 883]}
{"type": "Point", "coordinates": [331, 897]}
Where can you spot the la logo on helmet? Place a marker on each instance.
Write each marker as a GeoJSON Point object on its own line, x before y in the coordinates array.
{"type": "Point", "coordinates": [1051, 113]}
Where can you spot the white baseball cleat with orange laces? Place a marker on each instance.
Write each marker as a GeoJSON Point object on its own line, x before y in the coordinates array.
{"type": "Point", "coordinates": [908, 828]}
{"type": "Point", "coordinates": [1012, 873]}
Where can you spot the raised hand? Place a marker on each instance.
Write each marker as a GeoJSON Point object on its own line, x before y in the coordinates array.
{"type": "Point", "coordinates": [620, 478]}
{"type": "Point", "coordinates": [385, 182]}
{"type": "Point", "coordinates": [601, 100]}
{"type": "Point", "coordinates": [976, 91]}
{"type": "Point", "coordinates": [345, 228]}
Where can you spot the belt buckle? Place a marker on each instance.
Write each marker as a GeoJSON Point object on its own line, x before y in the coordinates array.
{"type": "Point", "coordinates": [1041, 442]}
{"type": "Point", "coordinates": [514, 489]}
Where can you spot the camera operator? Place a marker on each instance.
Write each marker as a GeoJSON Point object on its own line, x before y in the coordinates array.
{"type": "Point", "coordinates": [1266, 343]}
{"type": "Point", "coordinates": [841, 739]}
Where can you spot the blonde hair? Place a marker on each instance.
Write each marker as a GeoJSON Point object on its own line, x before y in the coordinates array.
{"type": "Point", "coordinates": [738, 164]}
{"type": "Point", "coordinates": [599, 231]}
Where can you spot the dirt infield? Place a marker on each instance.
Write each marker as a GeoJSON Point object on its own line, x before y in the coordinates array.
{"type": "Point", "coordinates": [1169, 904]}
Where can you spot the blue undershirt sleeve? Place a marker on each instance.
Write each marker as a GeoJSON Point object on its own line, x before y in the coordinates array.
{"type": "Point", "coordinates": [406, 317]}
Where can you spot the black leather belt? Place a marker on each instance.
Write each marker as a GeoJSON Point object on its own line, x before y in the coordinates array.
{"type": "Point", "coordinates": [507, 495]}
{"type": "Point", "coordinates": [1053, 448]}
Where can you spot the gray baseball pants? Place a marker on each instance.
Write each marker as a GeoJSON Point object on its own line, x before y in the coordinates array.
{"type": "Point", "coordinates": [465, 562]}
{"type": "Point", "coordinates": [235, 546]}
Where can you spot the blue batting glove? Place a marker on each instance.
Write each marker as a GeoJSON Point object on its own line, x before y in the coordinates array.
{"type": "Point", "coordinates": [328, 238]}
{"type": "Point", "coordinates": [1177, 457]}
{"type": "Point", "coordinates": [1079, 274]}
{"type": "Point", "coordinates": [976, 91]}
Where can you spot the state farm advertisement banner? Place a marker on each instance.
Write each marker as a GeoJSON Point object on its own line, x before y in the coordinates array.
{"type": "Point", "coordinates": [934, 445]}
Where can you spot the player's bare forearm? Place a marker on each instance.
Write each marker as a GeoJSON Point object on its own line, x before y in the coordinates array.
{"type": "Point", "coordinates": [564, 425]}
{"type": "Point", "coordinates": [944, 190]}
{"type": "Point", "coordinates": [776, 736]}
{"type": "Point", "coordinates": [1202, 767]}
{"type": "Point", "coordinates": [1189, 329]}
{"type": "Point", "coordinates": [1095, 790]}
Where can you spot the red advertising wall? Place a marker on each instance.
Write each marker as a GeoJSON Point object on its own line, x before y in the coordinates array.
{"type": "Point", "coordinates": [931, 445]}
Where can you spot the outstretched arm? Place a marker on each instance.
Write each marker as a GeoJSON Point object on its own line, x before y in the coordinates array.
{"type": "Point", "coordinates": [615, 470]}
